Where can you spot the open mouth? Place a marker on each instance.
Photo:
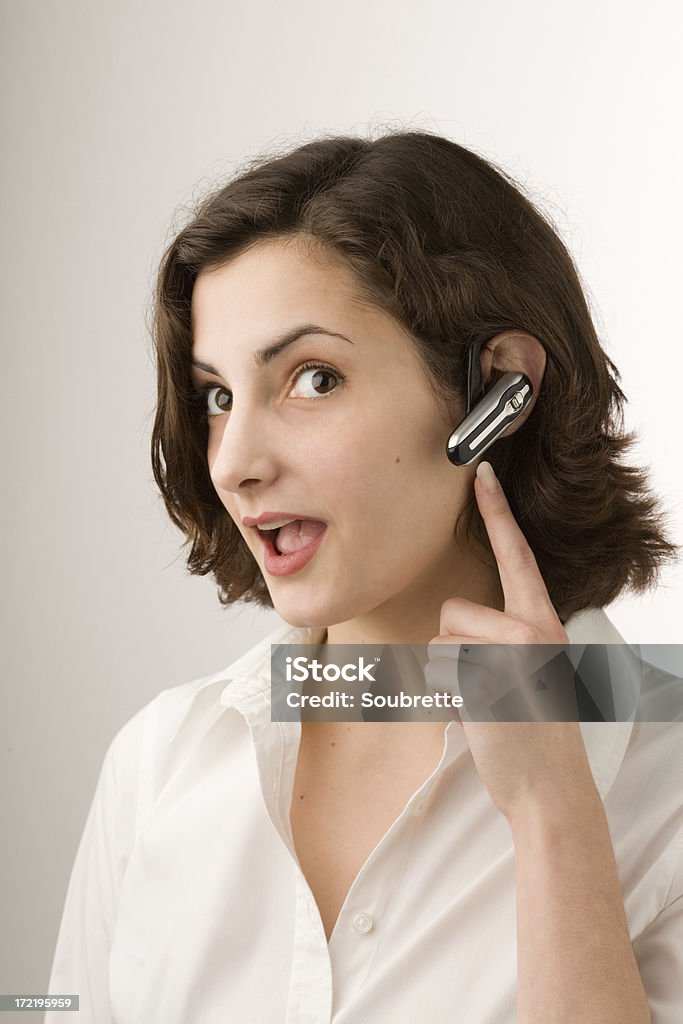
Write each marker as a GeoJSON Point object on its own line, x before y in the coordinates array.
{"type": "Point", "coordinates": [295, 536]}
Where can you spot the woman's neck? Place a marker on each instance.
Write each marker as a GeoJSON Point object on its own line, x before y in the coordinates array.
{"type": "Point", "coordinates": [414, 616]}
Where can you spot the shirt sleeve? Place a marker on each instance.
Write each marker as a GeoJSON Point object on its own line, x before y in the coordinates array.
{"type": "Point", "coordinates": [659, 952]}
{"type": "Point", "coordinates": [81, 960]}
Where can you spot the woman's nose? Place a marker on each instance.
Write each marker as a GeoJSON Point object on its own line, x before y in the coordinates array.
{"type": "Point", "coordinates": [240, 450]}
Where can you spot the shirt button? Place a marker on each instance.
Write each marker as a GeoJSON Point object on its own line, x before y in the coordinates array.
{"type": "Point", "coordinates": [362, 923]}
{"type": "Point", "coordinates": [421, 803]}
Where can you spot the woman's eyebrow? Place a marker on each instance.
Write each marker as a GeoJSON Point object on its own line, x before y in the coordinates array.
{"type": "Point", "coordinates": [264, 355]}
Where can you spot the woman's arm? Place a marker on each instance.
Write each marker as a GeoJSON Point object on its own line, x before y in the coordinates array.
{"type": "Point", "coordinates": [575, 961]}
{"type": "Point", "coordinates": [80, 963]}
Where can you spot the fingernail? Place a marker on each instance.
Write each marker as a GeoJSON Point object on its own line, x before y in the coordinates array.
{"type": "Point", "coordinates": [487, 477]}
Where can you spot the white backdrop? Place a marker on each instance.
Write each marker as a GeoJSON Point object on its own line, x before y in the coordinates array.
{"type": "Point", "coordinates": [114, 116]}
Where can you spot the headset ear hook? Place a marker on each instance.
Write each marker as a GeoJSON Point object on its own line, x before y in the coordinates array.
{"type": "Point", "coordinates": [475, 383]}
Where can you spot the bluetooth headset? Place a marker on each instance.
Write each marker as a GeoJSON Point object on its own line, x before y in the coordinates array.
{"type": "Point", "coordinates": [488, 415]}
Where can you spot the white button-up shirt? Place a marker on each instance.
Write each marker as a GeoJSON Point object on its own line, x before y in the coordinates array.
{"type": "Point", "coordinates": [187, 905]}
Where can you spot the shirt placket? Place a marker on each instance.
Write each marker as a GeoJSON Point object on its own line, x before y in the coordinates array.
{"type": "Point", "coordinates": [275, 745]}
{"type": "Point", "coordinates": [358, 930]}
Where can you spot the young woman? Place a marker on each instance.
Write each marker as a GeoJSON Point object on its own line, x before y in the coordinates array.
{"type": "Point", "coordinates": [313, 325]}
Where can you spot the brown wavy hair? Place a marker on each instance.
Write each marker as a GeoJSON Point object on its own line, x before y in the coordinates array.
{"type": "Point", "coordinates": [447, 244]}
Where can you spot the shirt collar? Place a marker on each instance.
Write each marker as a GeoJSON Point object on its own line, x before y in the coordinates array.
{"type": "Point", "coordinates": [247, 682]}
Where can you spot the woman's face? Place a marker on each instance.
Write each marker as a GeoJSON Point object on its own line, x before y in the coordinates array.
{"type": "Point", "coordinates": [360, 446]}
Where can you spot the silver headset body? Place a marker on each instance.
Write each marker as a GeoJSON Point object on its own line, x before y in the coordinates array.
{"type": "Point", "coordinates": [488, 415]}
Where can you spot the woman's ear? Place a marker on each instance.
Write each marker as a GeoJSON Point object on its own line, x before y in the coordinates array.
{"type": "Point", "coordinates": [512, 351]}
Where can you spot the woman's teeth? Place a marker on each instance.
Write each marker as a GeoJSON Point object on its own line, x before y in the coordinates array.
{"type": "Point", "coordinates": [275, 524]}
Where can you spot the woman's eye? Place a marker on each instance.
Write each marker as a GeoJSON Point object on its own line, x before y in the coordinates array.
{"type": "Point", "coordinates": [223, 396]}
{"type": "Point", "coordinates": [322, 381]}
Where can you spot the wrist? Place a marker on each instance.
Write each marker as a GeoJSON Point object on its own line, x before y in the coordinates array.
{"type": "Point", "coordinates": [554, 808]}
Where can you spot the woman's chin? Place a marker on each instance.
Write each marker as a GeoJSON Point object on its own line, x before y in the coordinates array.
{"type": "Point", "coordinates": [299, 615]}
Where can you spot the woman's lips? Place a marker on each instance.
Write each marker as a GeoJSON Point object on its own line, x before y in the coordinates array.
{"type": "Point", "coordinates": [283, 565]}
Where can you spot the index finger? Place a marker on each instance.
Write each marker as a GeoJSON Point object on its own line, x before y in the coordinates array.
{"type": "Point", "coordinates": [523, 586]}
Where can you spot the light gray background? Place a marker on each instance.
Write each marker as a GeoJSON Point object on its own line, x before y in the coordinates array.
{"type": "Point", "coordinates": [114, 116]}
